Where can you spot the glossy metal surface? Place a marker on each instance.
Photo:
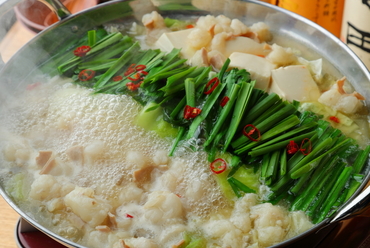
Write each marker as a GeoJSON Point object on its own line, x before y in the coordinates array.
{"type": "Point", "coordinates": [288, 29]}
{"type": "Point", "coordinates": [55, 5]}
{"type": "Point", "coordinates": [354, 208]}
{"type": "Point", "coordinates": [7, 5]}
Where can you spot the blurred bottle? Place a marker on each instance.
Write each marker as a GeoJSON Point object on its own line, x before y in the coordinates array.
{"type": "Point", "coordinates": [326, 13]}
{"type": "Point", "coordinates": [356, 28]}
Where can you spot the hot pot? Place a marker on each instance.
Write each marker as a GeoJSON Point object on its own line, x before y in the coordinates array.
{"type": "Point", "coordinates": [288, 29]}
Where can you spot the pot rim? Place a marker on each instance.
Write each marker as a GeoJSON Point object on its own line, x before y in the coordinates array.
{"type": "Point", "coordinates": [293, 15]}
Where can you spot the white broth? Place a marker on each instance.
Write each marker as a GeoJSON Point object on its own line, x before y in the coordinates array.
{"type": "Point", "coordinates": [94, 200]}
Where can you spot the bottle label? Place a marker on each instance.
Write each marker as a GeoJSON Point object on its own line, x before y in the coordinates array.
{"type": "Point", "coordinates": [356, 28]}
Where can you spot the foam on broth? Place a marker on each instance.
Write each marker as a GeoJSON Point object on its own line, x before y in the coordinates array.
{"type": "Point", "coordinates": [58, 115]}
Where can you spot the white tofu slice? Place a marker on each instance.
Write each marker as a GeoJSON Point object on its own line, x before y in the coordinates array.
{"type": "Point", "coordinates": [259, 68]}
{"type": "Point", "coordinates": [294, 83]}
{"type": "Point", "coordinates": [176, 39]}
{"type": "Point", "coordinates": [244, 45]}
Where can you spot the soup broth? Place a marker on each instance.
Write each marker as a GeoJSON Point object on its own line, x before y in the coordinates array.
{"type": "Point", "coordinates": [177, 194]}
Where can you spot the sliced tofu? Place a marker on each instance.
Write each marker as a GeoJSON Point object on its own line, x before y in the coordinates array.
{"type": "Point", "coordinates": [244, 45]}
{"type": "Point", "coordinates": [176, 39]}
{"type": "Point", "coordinates": [294, 83]}
{"type": "Point", "coordinates": [259, 68]}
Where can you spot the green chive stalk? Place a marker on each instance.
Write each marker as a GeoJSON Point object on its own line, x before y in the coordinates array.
{"type": "Point", "coordinates": [316, 206]}
{"type": "Point", "coordinates": [205, 110]}
{"type": "Point", "coordinates": [240, 104]}
{"type": "Point", "coordinates": [129, 54]}
{"type": "Point", "coordinates": [334, 194]}
{"type": "Point", "coordinates": [225, 112]}
{"type": "Point", "coordinates": [279, 145]}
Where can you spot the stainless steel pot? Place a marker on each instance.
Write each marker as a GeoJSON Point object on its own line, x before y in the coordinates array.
{"type": "Point", "coordinates": [288, 29]}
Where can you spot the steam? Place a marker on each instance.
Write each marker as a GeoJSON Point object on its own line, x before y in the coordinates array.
{"type": "Point", "coordinates": [7, 19]}
{"type": "Point", "coordinates": [7, 5]}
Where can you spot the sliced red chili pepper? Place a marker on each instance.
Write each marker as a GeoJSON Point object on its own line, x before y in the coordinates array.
{"type": "Point", "coordinates": [292, 147]}
{"type": "Point", "coordinates": [306, 151]}
{"type": "Point", "coordinates": [131, 86]}
{"type": "Point", "coordinates": [253, 133]}
{"type": "Point", "coordinates": [86, 75]}
{"type": "Point", "coordinates": [129, 216]}
{"type": "Point", "coordinates": [81, 51]}
{"type": "Point", "coordinates": [224, 101]}
{"type": "Point", "coordinates": [218, 166]}
{"type": "Point", "coordinates": [132, 66]}
{"type": "Point", "coordinates": [117, 78]}
{"type": "Point", "coordinates": [129, 71]}
{"type": "Point", "coordinates": [191, 112]}
{"type": "Point", "coordinates": [187, 112]}
{"type": "Point", "coordinates": [334, 118]}
{"type": "Point", "coordinates": [195, 112]}
{"type": "Point", "coordinates": [211, 85]}
{"type": "Point", "coordinates": [134, 77]}
{"type": "Point", "coordinates": [143, 72]}
{"type": "Point", "coordinates": [189, 26]}
{"type": "Point", "coordinates": [140, 67]}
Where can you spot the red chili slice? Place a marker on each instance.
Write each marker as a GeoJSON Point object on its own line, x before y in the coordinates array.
{"type": "Point", "coordinates": [224, 101]}
{"type": "Point", "coordinates": [306, 151]}
{"type": "Point", "coordinates": [129, 216]}
{"type": "Point", "coordinates": [117, 78]}
{"type": "Point", "coordinates": [211, 85]}
{"type": "Point", "coordinates": [86, 75]}
{"type": "Point", "coordinates": [134, 77]}
{"type": "Point", "coordinates": [143, 72]}
{"type": "Point", "coordinates": [191, 112]}
{"type": "Point", "coordinates": [218, 166]}
{"type": "Point", "coordinates": [253, 133]}
{"type": "Point", "coordinates": [292, 147]}
{"type": "Point", "coordinates": [140, 67]}
{"type": "Point", "coordinates": [131, 86]}
{"type": "Point", "coordinates": [81, 51]}
{"type": "Point", "coordinates": [334, 118]}
{"type": "Point", "coordinates": [189, 26]}
{"type": "Point", "coordinates": [129, 71]}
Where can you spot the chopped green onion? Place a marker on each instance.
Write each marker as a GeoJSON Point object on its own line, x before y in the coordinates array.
{"type": "Point", "coordinates": [190, 92]}
{"type": "Point", "coordinates": [225, 112]}
{"type": "Point", "coordinates": [91, 37]}
{"type": "Point", "coordinates": [117, 65]}
{"type": "Point", "coordinates": [239, 109]}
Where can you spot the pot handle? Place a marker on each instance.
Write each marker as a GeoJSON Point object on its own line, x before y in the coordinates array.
{"type": "Point", "coordinates": [354, 208]}
{"type": "Point", "coordinates": [58, 7]}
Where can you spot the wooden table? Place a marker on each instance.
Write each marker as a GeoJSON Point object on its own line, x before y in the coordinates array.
{"type": "Point", "coordinates": [17, 36]}
{"type": "Point", "coordinates": [8, 219]}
